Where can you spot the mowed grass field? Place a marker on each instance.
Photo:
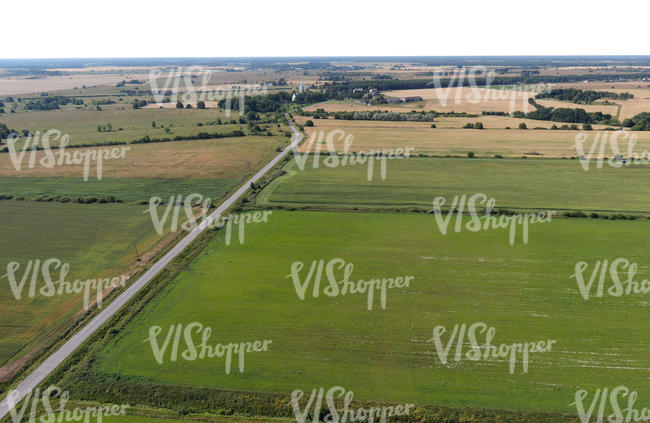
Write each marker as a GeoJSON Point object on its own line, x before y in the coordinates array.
{"type": "Point", "coordinates": [449, 138]}
{"type": "Point", "coordinates": [513, 183]}
{"type": "Point", "coordinates": [242, 292]}
{"type": "Point", "coordinates": [96, 240]}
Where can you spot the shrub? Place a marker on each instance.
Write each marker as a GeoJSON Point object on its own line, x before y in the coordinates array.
{"type": "Point", "coordinates": [470, 154]}
{"type": "Point", "coordinates": [522, 126]}
{"type": "Point", "coordinates": [309, 123]}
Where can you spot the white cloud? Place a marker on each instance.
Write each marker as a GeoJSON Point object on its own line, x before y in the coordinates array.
{"type": "Point", "coordinates": [147, 28]}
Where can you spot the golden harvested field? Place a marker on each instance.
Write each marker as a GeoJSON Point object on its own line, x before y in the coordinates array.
{"type": "Point", "coordinates": [13, 85]}
{"type": "Point", "coordinates": [470, 100]}
{"type": "Point", "coordinates": [356, 106]}
{"type": "Point", "coordinates": [451, 105]}
{"type": "Point", "coordinates": [198, 159]}
{"type": "Point", "coordinates": [640, 89]}
{"type": "Point", "coordinates": [448, 139]}
{"type": "Point", "coordinates": [475, 100]}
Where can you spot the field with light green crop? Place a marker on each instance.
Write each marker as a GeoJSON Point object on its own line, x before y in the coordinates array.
{"type": "Point", "coordinates": [524, 291]}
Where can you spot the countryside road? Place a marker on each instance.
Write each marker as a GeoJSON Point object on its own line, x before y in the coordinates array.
{"type": "Point", "coordinates": [54, 360]}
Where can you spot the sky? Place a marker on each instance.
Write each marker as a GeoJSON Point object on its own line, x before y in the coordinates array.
{"type": "Point", "coordinates": [245, 28]}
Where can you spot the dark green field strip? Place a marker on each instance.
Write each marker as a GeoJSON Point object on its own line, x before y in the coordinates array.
{"type": "Point", "coordinates": [124, 189]}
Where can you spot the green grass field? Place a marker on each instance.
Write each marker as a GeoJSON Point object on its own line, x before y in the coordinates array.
{"type": "Point", "coordinates": [97, 240]}
{"type": "Point", "coordinates": [524, 291]}
{"type": "Point", "coordinates": [513, 183]}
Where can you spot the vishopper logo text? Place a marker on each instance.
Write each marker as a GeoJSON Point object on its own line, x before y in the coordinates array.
{"type": "Point", "coordinates": [459, 76]}
{"type": "Point", "coordinates": [332, 158]}
{"type": "Point", "coordinates": [57, 414]}
{"type": "Point", "coordinates": [344, 286]}
{"type": "Point", "coordinates": [617, 398]}
{"type": "Point", "coordinates": [486, 351]}
{"type": "Point", "coordinates": [93, 289]}
{"type": "Point", "coordinates": [346, 414]}
{"type": "Point", "coordinates": [170, 346]}
{"type": "Point", "coordinates": [173, 208]}
{"type": "Point", "coordinates": [58, 156]}
{"type": "Point", "coordinates": [598, 150]}
{"type": "Point", "coordinates": [617, 268]}
{"type": "Point", "coordinates": [491, 221]}
{"type": "Point", "coordinates": [181, 79]}
{"type": "Point", "coordinates": [233, 222]}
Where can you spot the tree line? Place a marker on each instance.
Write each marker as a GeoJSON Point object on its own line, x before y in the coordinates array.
{"type": "Point", "coordinates": [582, 96]}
